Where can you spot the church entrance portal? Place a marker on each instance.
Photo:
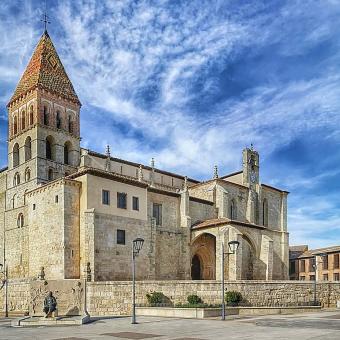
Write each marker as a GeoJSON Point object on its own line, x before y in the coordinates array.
{"type": "Point", "coordinates": [203, 262]}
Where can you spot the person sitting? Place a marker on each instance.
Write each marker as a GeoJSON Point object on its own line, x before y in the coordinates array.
{"type": "Point", "coordinates": [50, 305]}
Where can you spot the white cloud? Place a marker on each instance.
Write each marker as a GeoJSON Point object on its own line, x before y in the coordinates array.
{"type": "Point", "coordinates": [117, 53]}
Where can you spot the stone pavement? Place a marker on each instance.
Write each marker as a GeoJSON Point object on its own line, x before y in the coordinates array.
{"type": "Point", "coordinates": [323, 325]}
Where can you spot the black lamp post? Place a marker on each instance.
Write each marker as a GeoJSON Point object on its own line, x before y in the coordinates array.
{"type": "Point", "coordinates": [137, 245]}
{"type": "Point", "coordinates": [4, 272]}
{"type": "Point", "coordinates": [233, 246]}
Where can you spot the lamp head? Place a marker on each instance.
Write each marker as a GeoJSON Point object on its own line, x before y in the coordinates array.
{"type": "Point", "coordinates": [233, 246]}
{"type": "Point", "coordinates": [137, 245]}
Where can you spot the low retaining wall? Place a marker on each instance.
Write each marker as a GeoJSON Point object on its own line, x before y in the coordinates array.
{"type": "Point", "coordinates": [201, 313]}
{"type": "Point", "coordinates": [114, 297]}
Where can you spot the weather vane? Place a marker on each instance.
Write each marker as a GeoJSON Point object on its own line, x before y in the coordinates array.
{"type": "Point", "coordinates": [45, 18]}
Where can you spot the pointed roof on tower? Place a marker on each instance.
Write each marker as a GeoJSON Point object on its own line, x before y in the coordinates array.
{"type": "Point", "coordinates": [45, 71]}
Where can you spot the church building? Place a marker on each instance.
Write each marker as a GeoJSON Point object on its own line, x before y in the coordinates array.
{"type": "Point", "coordinates": [66, 208]}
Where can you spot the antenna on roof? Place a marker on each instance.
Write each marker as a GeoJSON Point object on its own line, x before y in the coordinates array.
{"type": "Point", "coordinates": [45, 17]}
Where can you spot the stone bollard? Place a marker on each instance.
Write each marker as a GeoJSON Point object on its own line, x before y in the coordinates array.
{"type": "Point", "coordinates": [338, 304]}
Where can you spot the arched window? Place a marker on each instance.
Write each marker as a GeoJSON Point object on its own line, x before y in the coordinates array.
{"type": "Point", "coordinates": [15, 125]}
{"type": "Point", "coordinates": [25, 196]}
{"type": "Point", "coordinates": [31, 115]}
{"type": "Point", "coordinates": [16, 157]}
{"type": "Point", "coordinates": [45, 115]}
{"type": "Point", "coordinates": [50, 148]}
{"type": "Point", "coordinates": [265, 212]}
{"type": "Point", "coordinates": [20, 220]}
{"type": "Point", "coordinates": [70, 127]}
{"type": "Point", "coordinates": [23, 120]}
{"type": "Point", "coordinates": [28, 149]}
{"type": "Point", "coordinates": [16, 179]}
{"type": "Point", "coordinates": [14, 201]}
{"type": "Point", "coordinates": [27, 174]}
{"type": "Point", "coordinates": [50, 174]}
{"type": "Point", "coordinates": [58, 120]}
{"type": "Point", "coordinates": [67, 149]}
{"type": "Point", "coordinates": [232, 210]}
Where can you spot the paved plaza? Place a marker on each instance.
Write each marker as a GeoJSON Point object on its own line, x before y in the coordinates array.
{"type": "Point", "coordinates": [323, 325]}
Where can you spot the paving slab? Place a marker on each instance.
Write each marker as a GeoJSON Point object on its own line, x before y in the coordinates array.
{"type": "Point", "coordinates": [316, 326]}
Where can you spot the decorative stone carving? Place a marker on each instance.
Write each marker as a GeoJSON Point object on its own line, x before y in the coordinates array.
{"type": "Point", "coordinates": [69, 295]}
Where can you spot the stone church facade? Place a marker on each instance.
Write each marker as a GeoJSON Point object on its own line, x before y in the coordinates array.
{"type": "Point", "coordinates": [63, 206]}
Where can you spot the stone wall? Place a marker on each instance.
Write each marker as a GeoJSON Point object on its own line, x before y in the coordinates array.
{"type": "Point", "coordinates": [114, 297]}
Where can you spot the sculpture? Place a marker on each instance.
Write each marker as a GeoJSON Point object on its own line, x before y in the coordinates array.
{"type": "Point", "coordinates": [50, 305]}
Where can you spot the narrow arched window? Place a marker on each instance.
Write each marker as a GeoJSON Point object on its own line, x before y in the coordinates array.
{"type": "Point", "coordinates": [25, 196]}
{"type": "Point", "coordinates": [67, 148]}
{"type": "Point", "coordinates": [14, 201]}
{"type": "Point", "coordinates": [16, 179]}
{"type": "Point", "coordinates": [28, 149]}
{"type": "Point", "coordinates": [58, 120]}
{"type": "Point", "coordinates": [45, 115]}
{"type": "Point", "coordinates": [265, 212]}
{"type": "Point", "coordinates": [50, 148]}
{"type": "Point", "coordinates": [31, 115]}
{"type": "Point", "coordinates": [16, 157]}
{"type": "Point", "coordinates": [70, 127]}
{"type": "Point", "coordinates": [23, 120]}
{"type": "Point", "coordinates": [15, 125]}
{"type": "Point", "coordinates": [50, 174]}
{"type": "Point", "coordinates": [232, 210]}
{"type": "Point", "coordinates": [20, 220]}
{"type": "Point", "coordinates": [27, 174]}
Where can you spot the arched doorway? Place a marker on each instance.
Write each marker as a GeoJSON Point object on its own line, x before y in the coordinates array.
{"type": "Point", "coordinates": [203, 261]}
{"type": "Point", "coordinates": [248, 259]}
{"type": "Point", "coordinates": [196, 268]}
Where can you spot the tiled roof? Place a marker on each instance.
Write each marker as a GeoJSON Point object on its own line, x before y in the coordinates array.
{"type": "Point", "coordinates": [319, 251]}
{"type": "Point", "coordinates": [296, 251]}
{"type": "Point", "coordinates": [303, 248]}
{"type": "Point", "coordinates": [45, 71]}
{"type": "Point", "coordinates": [326, 250]}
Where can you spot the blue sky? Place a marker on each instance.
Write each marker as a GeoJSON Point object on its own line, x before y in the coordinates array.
{"type": "Point", "coordinates": [192, 83]}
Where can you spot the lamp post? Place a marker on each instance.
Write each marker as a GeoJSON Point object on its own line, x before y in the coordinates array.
{"type": "Point", "coordinates": [4, 272]}
{"type": "Point", "coordinates": [233, 246]}
{"type": "Point", "coordinates": [137, 245]}
{"type": "Point", "coordinates": [315, 266]}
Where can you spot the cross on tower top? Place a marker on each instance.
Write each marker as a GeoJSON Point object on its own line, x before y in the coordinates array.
{"type": "Point", "coordinates": [45, 21]}
{"type": "Point", "coordinates": [45, 17]}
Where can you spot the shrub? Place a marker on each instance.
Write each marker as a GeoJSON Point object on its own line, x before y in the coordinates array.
{"type": "Point", "coordinates": [194, 300]}
{"type": "Point", "coordinates": [155, 298]}
{"type": "Point", "coordinates": [233, 298]}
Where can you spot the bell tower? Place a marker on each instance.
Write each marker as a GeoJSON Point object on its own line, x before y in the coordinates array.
{"type": "Point", "coordinates": [251, 167]}
{"type": "Point", "coordinates": [43, 143]}
{"type": "Point", "coordinates": [43, 118]}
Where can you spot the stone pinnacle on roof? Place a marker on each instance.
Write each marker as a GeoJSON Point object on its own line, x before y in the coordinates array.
{"type": "Point", "coordinates": [45, 71]}
{"type": "Point", "coordinates": [215, 172]}
{"type": "Point", "coordinates": [108, 158]}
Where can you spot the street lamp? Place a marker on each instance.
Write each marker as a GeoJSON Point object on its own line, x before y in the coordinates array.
{"type": "Point", "coordinates": [233, 246]}
{"type": "Point", "coordinates": [4, 272]}
{"type": "Point", "coordinates": [315, 265]}
{"type": "Point", "coordinates": [137, 245]}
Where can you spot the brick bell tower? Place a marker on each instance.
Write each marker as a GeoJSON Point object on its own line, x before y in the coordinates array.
{"type": "Point", "coordinates": [43, 141]}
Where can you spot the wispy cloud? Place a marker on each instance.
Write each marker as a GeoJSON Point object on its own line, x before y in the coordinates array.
{"type": "Point", "coordinates": [192, 83]}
